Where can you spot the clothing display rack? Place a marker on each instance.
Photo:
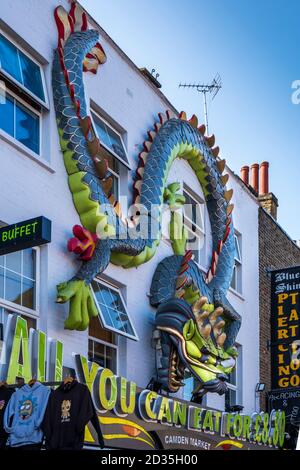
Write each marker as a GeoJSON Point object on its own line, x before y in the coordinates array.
{"type": "Point", "coordinates": [60, 425]}
{"type": "Point", "coordinates": [47, 384]}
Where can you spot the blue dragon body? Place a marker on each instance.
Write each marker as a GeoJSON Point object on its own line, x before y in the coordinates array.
{"type": "Point", "coordinates": [89, 182]}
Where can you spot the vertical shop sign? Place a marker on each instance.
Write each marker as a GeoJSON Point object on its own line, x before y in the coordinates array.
{"type": "Point", "coordinates": [285, 328]}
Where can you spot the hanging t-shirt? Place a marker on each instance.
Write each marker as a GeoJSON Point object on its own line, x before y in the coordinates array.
{"type": "Point", "coordinates": [24, 414]}
{"type": "Point", "coordinates": [69, 410]}
{"type": "Point", "coordinates": [5, 394]}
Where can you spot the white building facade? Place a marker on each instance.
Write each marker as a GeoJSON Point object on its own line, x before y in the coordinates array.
{"type": "Point", "coordinates": [124, 104]}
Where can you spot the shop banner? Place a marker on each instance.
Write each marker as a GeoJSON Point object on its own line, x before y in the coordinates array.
{"type": "Point", "coordinates": [132, 417]}
{"type": "Point", "coordinates": [285, 332]}
{"type": "Point", "coordinates": [26, 234]}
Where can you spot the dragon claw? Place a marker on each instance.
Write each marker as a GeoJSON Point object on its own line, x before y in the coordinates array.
{"type": "Point", "coordinates": [82, 304]}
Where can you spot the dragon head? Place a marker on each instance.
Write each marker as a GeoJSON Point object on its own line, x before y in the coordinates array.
{"type": "Point", "coordinates": [192, 337]}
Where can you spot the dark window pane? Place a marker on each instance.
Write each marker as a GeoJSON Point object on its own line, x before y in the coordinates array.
{"type": "Point", "coordinates": [1, 282]}
{"type": "Point", "coordinates": [189, 386]}
{"type": "Point", "coordinates": [102, 133]}
{"type": "Point", "coordinates": [232, 377]}
{"type": "Point", "coordinates": [7, 115]}
{"type": "Point", "coordinates": [116, 301]}
{"type": "Point", "coordinates": [28, 263]}
{"type": "Point", "coordinates": [105, 296]}
{"type": "Point", "coordinates": [233, 280]}
{"type": "Point", "coordinates": [111, 358]}
{"type": "Point", "coordinates": [110, 139]}
{"type": "Point", "coordinates": [115, 187]}
{"type": "Point", "coordinates": [230, 398]}
{"type": "Point", "coordinates": [91, 349]}
{"type": "Point", "coordinates": [31, 322]}
{"type": "Point", "coordinates": [193, 210]}
{"type": "Point", "coordinates": [27, 128]}
{"type": "Point", "coordinates": [2, 260]}
{"type": "Point", "coordinates": [108, 316]}
{"type": "Point", "coordinates": [102, 295]}
{"type": "Point", "coordinates": [112, 161]}
{"type": "Point", "coordinates": [116, 144]}
{"type": "Point", "coordinates": [9, 58]}
{"type": "Point", "coordinates": [97, 331]}
{"type": "Point", "coordinates": [31, 76]}
{"type": "Point", "coordinates": [237, 249]}
{"type": "Point", "coordinates": [127, 326]}
{"type": "Point", "coordinates": [99, 354]}
{"type": "Point", "coordinates": [13, 261]}
{"type": "Point", "coordinates": [28, 288]}
{"type": "Point", "coordinates": [13, 287]}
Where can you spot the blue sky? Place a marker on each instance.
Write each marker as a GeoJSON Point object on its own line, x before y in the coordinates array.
{"type": "Point", "coordinates": [254, 45]}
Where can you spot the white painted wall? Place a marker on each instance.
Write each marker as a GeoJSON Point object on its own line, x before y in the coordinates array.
{"type": "Point", "coordinates": [29, 189]}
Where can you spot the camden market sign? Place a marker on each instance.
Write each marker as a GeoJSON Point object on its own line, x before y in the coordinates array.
{"type": "Point", "coordinates": [26, 234]}
{"type": "Point", "coordinates": [135, 418]}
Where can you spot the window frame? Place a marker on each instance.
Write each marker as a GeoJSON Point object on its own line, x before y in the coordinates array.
{"type": "Point", "coordinates": [110, 345]}
{"type": "Point", "coordinates": [100, 315]}
{"type": "Point", "coordinates": [19, 309]}
{"type": "Point", "coordinates": [32, 110]}
{"type": "Point", "coordinates": [12, 311]}
{"type": "Point", "coordinates": [44, 104]}
{"type": "Point", "coordinates": [238, 266]}
{"type": "Point", "coordinates": [237, 388]}
{"type": "Point", "coordinates": [110, 150]}
{"type": "Point", "coordinates": [201, 204]}
{"type": "Point", "coordinates": [189, 224]}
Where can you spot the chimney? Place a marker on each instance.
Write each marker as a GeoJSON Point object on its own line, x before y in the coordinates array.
{"type": "Point", "coordinates": [259, 185]}
{"type": "Point", "coordinates": [245, 174]}
{"type": "Point", "coordinates": [254, 176]}
{"type": "Point", "coordinates": [267, 199]}
{"type": "Point", "coordinates": [264, 178]}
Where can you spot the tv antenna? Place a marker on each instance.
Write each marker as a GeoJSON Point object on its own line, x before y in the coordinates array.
{"type": "Point", "coordinates": [211, 88]}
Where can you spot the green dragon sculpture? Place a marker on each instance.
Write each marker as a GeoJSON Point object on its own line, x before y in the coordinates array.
{"type": "Point", "coordinates": [196, 324]}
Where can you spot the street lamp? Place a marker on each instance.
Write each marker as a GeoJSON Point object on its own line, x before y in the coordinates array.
{"type": "Point", "coordinates": [260, 387]}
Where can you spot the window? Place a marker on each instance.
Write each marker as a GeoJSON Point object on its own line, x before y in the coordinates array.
{"type": "Point", "coordinates": [18, 278]}
{"type": "Point", "coordinates": [112, 309]}
{"type": "Point", "coordinates": [4, 313]}
{"type": "Point", "coordinates": [102, 346]}
{"type": "Point", "coordinates": [31, 323]}
{"type": "Point", "coordinates": [194, 223]}
{"type": "Point", "coordinates": [110, 138]}
{"type": "Point", "coordinates": [191, 384]}
{"type": "Point", "coordinates": [21, 121]}
{"type": "Point", "coordinates": [233, 396]}
{"type": "Point", "coordinates": [112, 149]}
{"type": "Point", "coordinates": [18, 66]}
{"type": "Point", "coordinates": [236, 281]}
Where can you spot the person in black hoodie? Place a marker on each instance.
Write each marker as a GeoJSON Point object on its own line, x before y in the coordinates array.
{"type": "Point", "coordinates": [5, 394]}
{"type": "Point", "coordinates": [70, 408]}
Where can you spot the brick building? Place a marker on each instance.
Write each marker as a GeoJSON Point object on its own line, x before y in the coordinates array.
{"type": "Point", "coordinates": [276, 250]}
